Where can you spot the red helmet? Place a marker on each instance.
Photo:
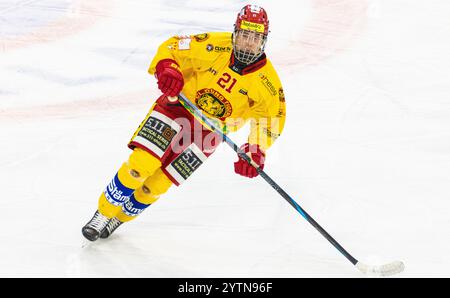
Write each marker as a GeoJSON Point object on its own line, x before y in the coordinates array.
{"type": "Point", "coordinates": [253, 18]}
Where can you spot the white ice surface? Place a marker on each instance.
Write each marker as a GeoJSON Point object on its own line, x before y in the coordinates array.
{"type": "Point", "coordinates": [366, 146]}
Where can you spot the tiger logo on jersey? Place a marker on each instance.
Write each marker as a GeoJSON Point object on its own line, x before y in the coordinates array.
{"type": "Point", "coordinates": [201, 37]}
{"type": "Point", "coordinates": [213, 103]}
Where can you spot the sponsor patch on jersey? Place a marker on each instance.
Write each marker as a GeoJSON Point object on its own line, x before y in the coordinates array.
{"type": "Point", "coordinates": [268, 84]}
{"type": "Point", "coordinates": [213, 103]}
{"type": "Point", "coordinates": [209, 47]}
{"type": "Point", "coordinates": [270, 134]}
{"type": "Point", "coordinates": [173, 46]}
{"type": "Point", "coordinates": [212, 70]}
{"type": "Point", "coordinates": [184, 44]}
{"type": "Point", "coordinates": [281, 112]}
{"type": "Point", "coordinates": [252, 26]}
{"type": "Point", "coordinates": [281, 95]}
{"type": "Point", "coordinates": [201, 37]}
{"type": "Point", "coordinates": [219, 49]}
{"type": "Point", "coordinates": [243, 91]}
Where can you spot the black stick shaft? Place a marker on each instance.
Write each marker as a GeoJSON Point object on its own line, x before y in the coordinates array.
{"type": "Point", "coordinates": [191, 107]}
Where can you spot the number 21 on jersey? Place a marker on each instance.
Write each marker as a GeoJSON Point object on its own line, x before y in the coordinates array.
{"type": "Point", "coordinates": [225, 80]}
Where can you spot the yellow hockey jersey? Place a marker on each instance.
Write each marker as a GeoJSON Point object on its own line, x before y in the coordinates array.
{"type": "Point", "coordinates": [225, 90]}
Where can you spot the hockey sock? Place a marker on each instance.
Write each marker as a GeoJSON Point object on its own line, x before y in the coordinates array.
{"type": "Point", "coordinates": [130, 176]}
{"type": "Point", "coordinates": [144, 196]}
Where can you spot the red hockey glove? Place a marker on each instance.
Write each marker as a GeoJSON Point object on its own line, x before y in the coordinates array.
{"type": "Point", "coordinates": [243, 168]}
{"type": "Point", "coordinates": [170, 79]}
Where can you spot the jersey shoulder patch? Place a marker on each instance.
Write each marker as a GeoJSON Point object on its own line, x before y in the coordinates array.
{"type": "Point", "coordinates": [201, 37]}
{"type": "Point", "coordinates": [184, 43]}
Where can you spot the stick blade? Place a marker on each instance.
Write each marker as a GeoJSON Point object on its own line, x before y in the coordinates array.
{"type": "Point", "coordinates": [383, 270]}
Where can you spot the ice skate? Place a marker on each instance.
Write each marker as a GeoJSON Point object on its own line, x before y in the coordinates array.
{"type": "Point", "coordinates": [95, 226]}
{"type": "Point", "coordinates": [112, 225]}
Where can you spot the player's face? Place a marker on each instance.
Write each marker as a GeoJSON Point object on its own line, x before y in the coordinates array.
{"type": "Point", "coordinates": [249, 41]}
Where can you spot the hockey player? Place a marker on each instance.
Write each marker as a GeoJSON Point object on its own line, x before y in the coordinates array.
{"type": "Point", "coordinates": [228, 76]}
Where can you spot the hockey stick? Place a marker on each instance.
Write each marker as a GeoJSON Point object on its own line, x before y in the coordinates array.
{"type": "Point", "coordinates": [383, 270]}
